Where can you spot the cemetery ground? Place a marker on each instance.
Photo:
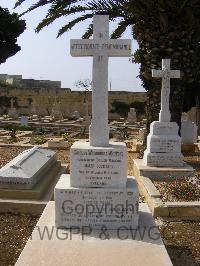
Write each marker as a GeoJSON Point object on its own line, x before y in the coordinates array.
{"type": "Point", "coordinates": [182, 238]}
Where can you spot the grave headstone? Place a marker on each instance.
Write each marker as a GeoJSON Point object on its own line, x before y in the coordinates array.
{"type": "Point", "coordinates": [76, 115]}
{"type": "Point", "coordinates": [56, 113]}
{"type": "Point", "coordinates": [189, 132]}
{"type": "Point", "coordinates": [98, 179]}
{"type": "Point", "coordinates": [142, 134]}
{"type": "Point", "coordinates": [132, 117]}
{"type": "Point", "coordinates": [25, 170]}
{"type": "Point", "coordinates": [163, 142]}
{"type": "Point", "coordinates": [24, 121]}
{"type": "Point", "coordinates": [12, 112]}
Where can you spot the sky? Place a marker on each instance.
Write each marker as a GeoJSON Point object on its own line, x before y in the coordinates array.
{"type": "Point", "coordinates": [43, 56]}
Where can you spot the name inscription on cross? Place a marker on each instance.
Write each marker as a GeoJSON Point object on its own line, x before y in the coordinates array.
{"type": "Point", "coordinates": [101, 48]}
{"type": "Point", "coordinates": [166, 74]}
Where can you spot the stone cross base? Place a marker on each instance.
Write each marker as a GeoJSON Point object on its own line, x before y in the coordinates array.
{"type": "Point", "coordinates": [98, 166]}
{"type": "Point", "coordinates": [163, 146]}
{"type": "Point", "coordinates": [96, 207]}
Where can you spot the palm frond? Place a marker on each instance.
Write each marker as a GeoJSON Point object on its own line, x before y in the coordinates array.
{"type": "Point", "coordinates": [121, 28]}
{"type": "Point", "coordinates": [88, 33]}
{"type": "Point", "coordinates": [72, 23]}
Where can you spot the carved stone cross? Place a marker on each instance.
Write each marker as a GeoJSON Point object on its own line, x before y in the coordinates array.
{"type": "Point", "coordinates": [166, 74]}
{"type": "Point", "coordinates": [100, 48]}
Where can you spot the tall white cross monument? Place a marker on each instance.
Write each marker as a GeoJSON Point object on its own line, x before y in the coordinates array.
{"type": "Point", "coordinates": [163, 141]}
{"type": "Point", "coordinates": [166, 74]}
{"type": "Point", "coordinates": [101, 48]}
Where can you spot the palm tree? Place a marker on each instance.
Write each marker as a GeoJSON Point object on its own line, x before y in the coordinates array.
{"type": "Point", "coordinates": [162, 28]}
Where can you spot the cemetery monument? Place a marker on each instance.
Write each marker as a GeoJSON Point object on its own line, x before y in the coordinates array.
{"type": "Point", "coordinates": [163, 142]}
{"type": "Point", "coordinates": [98, 167]}
{"type": "Point", "coordinates": [189, 130]}
{"type": "Point", "coordinates": [12, 111]}
{"type": "Point", "coordinates": [132, 117]}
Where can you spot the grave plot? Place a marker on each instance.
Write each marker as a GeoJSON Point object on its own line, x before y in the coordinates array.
{"type": "Point", "coordinates": [27, 181]}
{"type": "Point", "coordinates": [165, 179]}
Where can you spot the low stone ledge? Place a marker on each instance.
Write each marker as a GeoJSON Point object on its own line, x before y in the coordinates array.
{"type": "Point", "coordinates": [22, 207]}
{"type": "Point", "coordinates": [177, 210]}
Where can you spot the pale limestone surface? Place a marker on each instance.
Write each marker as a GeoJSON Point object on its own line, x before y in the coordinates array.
{"type": "Point", "coordinates": [96, 207]}
{"type": "Point", "coordinates": [98, 166]}
{"type": "Point", "coordinates": [25, 170]}
{"type": "Point", "coordinates": [89, 248]}
{"type": "Point", "coordinates": [189, 132]}
{"type": "Point", "coordinates": [100, 48]}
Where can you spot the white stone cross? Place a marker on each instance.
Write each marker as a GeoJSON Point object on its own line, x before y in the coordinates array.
{"type": "Point", "coordinates": [166, 74]}
{"type": "Point", "coordinates": [101, 48]}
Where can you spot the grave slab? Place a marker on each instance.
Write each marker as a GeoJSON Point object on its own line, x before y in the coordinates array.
{"type": "Point", "coordinates": [25, 170]}
{"type": "Point", "coordinates": [123, 247]}
{"type": "Point", "coordinates": [140, 169]}
{"type": "Point", "coordinates": [39, 189]}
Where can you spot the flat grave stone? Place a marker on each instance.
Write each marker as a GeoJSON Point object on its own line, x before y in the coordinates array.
{"type": "Point", "coordinates": [25, 170]}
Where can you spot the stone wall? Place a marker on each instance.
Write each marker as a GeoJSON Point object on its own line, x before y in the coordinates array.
{"type": "Point", "coordinates": [68, 101]}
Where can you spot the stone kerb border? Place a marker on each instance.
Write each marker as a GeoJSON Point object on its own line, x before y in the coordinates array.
{"type": "Point", "coordinates": [175, 210]}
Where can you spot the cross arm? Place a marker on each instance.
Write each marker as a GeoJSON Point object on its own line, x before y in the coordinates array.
{"type": "Point", "coordinates": [83, 47]}
{"type": "Point", "coordinates": [118, 48]}
{"type": "Point", "coordinates": [157, 73]}
{"type": "Point", "coordinates": [175, 74]}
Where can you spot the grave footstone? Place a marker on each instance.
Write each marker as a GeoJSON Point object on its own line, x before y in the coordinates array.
{"type": "Point", "coordinates": [98, 177]}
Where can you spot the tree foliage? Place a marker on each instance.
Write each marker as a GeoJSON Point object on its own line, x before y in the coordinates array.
{"type": "Point", "coordinates": [10, 29]}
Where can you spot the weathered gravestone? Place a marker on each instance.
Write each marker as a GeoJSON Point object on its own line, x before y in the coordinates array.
{"type": "Point", "coordinates": [132, 117]}
{"type": "Point", "coordinates": [24, 171]}
{"type": "Point", "coordinates": [97, 191]}
{"type": "Point", "coordinates": [56, 112]}
{"type": "Point", "coordinates": [163, 142]}
{"type": "Point", "coordinates": [12, 111]}
{"type": "Point", "coordinates": [24, 121]}
{"type": "Point", "coordinates": [76, 115]}
{"type": "Point", "coordinates": [189, 130]}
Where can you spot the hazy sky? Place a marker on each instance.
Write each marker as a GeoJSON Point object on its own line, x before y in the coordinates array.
{"type": "Point", "coordinates": [42, 56]}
